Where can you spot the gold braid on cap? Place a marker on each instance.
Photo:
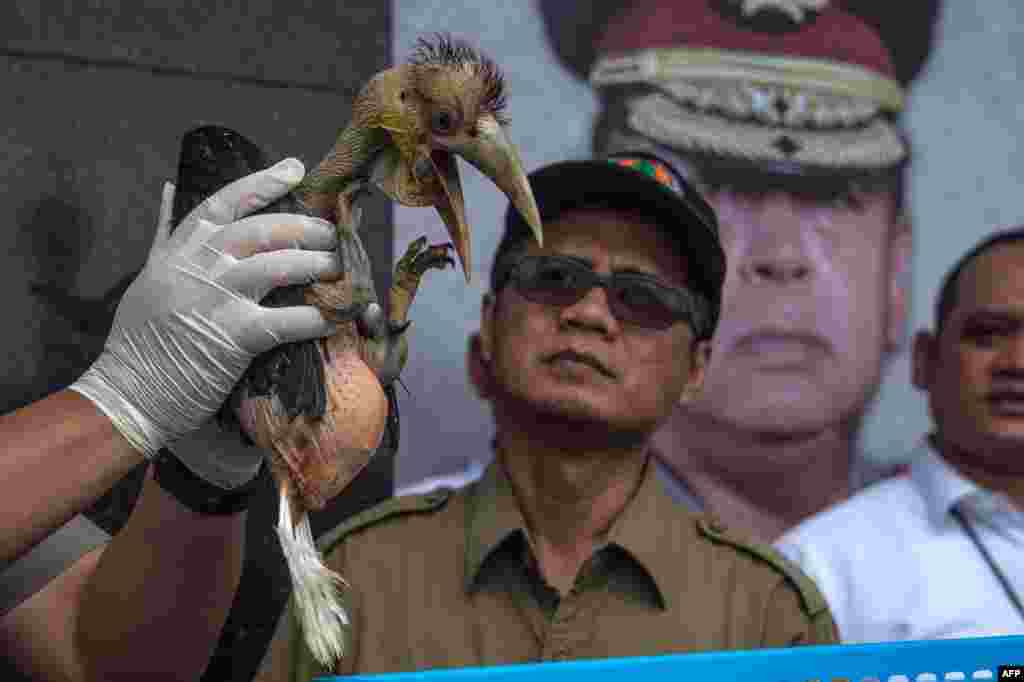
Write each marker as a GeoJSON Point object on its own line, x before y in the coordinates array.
{"type": "Point", "coordinates": [760, 107]}
{"type": "Point", "coordinates": [658, 65]}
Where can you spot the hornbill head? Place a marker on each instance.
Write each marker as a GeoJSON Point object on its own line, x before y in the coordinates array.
{"type": "Point", "coordinates": [448, 100]}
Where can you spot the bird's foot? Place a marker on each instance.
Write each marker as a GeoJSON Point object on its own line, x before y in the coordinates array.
{"type": "Point", "coordinates": [411, 267]}
{"type": "Point", "coordinates": [355, 262]}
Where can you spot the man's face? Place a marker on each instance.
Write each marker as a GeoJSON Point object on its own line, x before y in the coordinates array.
{"type": "Point", "coordinates": [809, 305]}
{"type": "Point", "coordinates": [974, 370]}
{"type": "Point", "coordinates": [579, 362]}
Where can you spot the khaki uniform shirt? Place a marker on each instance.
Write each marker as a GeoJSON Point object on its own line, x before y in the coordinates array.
{"type": "Point", "coordinates": [448, 579]}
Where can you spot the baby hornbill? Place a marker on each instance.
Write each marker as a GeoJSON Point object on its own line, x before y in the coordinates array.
{"type": "Point", "coordinates": [321, 408]}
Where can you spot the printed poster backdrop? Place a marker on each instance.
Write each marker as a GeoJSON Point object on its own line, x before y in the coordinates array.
{"type": "Point", "coordinates": [964, 116]}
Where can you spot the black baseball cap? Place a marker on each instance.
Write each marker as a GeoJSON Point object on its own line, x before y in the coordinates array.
{"type": "Point", "coordinates": [637, 181]}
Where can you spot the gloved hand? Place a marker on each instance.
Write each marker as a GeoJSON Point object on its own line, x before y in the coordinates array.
{"type": "Point", "coordinates": [190, 324]}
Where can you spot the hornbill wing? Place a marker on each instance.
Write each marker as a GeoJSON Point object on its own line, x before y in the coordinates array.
{"type": "Point", "coordinates": [293, 373]}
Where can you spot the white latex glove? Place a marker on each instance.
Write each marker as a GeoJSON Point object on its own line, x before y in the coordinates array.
{"type": "Point", "coordinates": [190, 324]}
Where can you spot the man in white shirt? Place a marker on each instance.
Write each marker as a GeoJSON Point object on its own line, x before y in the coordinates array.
{"type": "Point", "coordinates": [940, 552]}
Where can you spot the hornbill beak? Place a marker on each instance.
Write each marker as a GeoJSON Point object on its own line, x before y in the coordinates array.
{"type": "Point", "coordinates": [452, 207]}
{"type": "Point", "coordinates": [493, 155]}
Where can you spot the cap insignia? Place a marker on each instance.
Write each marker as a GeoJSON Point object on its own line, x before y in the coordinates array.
{"type": "Point", "coordinates": [656, 170]}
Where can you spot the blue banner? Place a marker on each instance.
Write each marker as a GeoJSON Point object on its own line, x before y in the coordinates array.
{"type": "Point", "coordinates": [931, 661]}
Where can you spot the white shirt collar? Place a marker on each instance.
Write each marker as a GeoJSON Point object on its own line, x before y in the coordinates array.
{"type": "Point", "coordinates": [942, 487]}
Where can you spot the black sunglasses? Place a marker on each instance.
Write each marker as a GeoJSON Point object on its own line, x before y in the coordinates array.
{"type": "Point", "coordinates": [633, 298]}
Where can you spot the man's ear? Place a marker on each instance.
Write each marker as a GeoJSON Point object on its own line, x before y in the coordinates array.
{"type": "Point", "coordinates": [700, 355]}
{"type": "Point", "coordinates": [479, 369]}
{"type": "Point", "coordinates": [486, 334]}
{"type": "Point", "coordinates": [901, 254]}
{"type": "Point", "coordinates": [924, 355]}
{"type": "Point", "coordinates": [478, 352]}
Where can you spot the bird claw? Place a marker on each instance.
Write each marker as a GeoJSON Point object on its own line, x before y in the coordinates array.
{"type": "Point", "coordinates": [417, 259]}
{"type": "Point", "coordinates": [397, 328]}
{"type": "Point", "coordinates": [387, 346]}
{"type": "Point", "coordinates": [409, 270]}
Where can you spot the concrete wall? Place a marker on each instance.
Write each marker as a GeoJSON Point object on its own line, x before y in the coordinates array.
{"type": "Point", "coordinates": [95, 104]}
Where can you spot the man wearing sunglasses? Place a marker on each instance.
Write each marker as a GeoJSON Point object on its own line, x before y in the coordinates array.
{"type": "Point", "coordinates": [568, 547]}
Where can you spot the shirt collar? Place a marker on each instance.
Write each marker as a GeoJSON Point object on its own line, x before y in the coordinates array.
{"type": "Point", "coordinates": [676, 488]}
{"type": "Point", "coordinates": [640, 530]}
{"type": "Point", "coordinates": [942, 488]}
{"type": "Point", "coordinates": [494, 515]}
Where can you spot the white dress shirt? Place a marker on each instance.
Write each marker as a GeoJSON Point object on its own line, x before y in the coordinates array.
{"type": "Point", "coordinates": [894, 564]}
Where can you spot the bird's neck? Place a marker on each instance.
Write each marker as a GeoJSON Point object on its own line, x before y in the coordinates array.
{"type": "Point", "coordinates": [339, 172]}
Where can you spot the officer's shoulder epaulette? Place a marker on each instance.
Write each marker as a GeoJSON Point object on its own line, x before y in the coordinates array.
{"type": "Point", "coordinates": [388, 509]}
{"type": "Point", "coordinates": [811, 599]}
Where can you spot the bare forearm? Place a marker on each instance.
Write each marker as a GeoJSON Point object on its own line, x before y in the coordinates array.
{"type": "Point", "coordinates": [58, 456]}
{"type": "Point", "coordinates": [161, 593]}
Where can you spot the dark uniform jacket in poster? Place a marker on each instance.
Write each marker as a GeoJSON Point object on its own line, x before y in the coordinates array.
{"type": "Point", "coordinates": [448, 579]}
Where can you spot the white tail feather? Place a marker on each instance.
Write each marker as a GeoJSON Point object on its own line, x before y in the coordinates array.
{"type": "Point", "coordinates": [316, 589]}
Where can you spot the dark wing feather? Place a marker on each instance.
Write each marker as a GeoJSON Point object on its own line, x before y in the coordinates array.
{"type": "Point", "coordinates": [212, 157]}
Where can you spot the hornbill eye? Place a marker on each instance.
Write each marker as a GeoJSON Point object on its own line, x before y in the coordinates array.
{"type": "Point", "coordinates": [442, 122]}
